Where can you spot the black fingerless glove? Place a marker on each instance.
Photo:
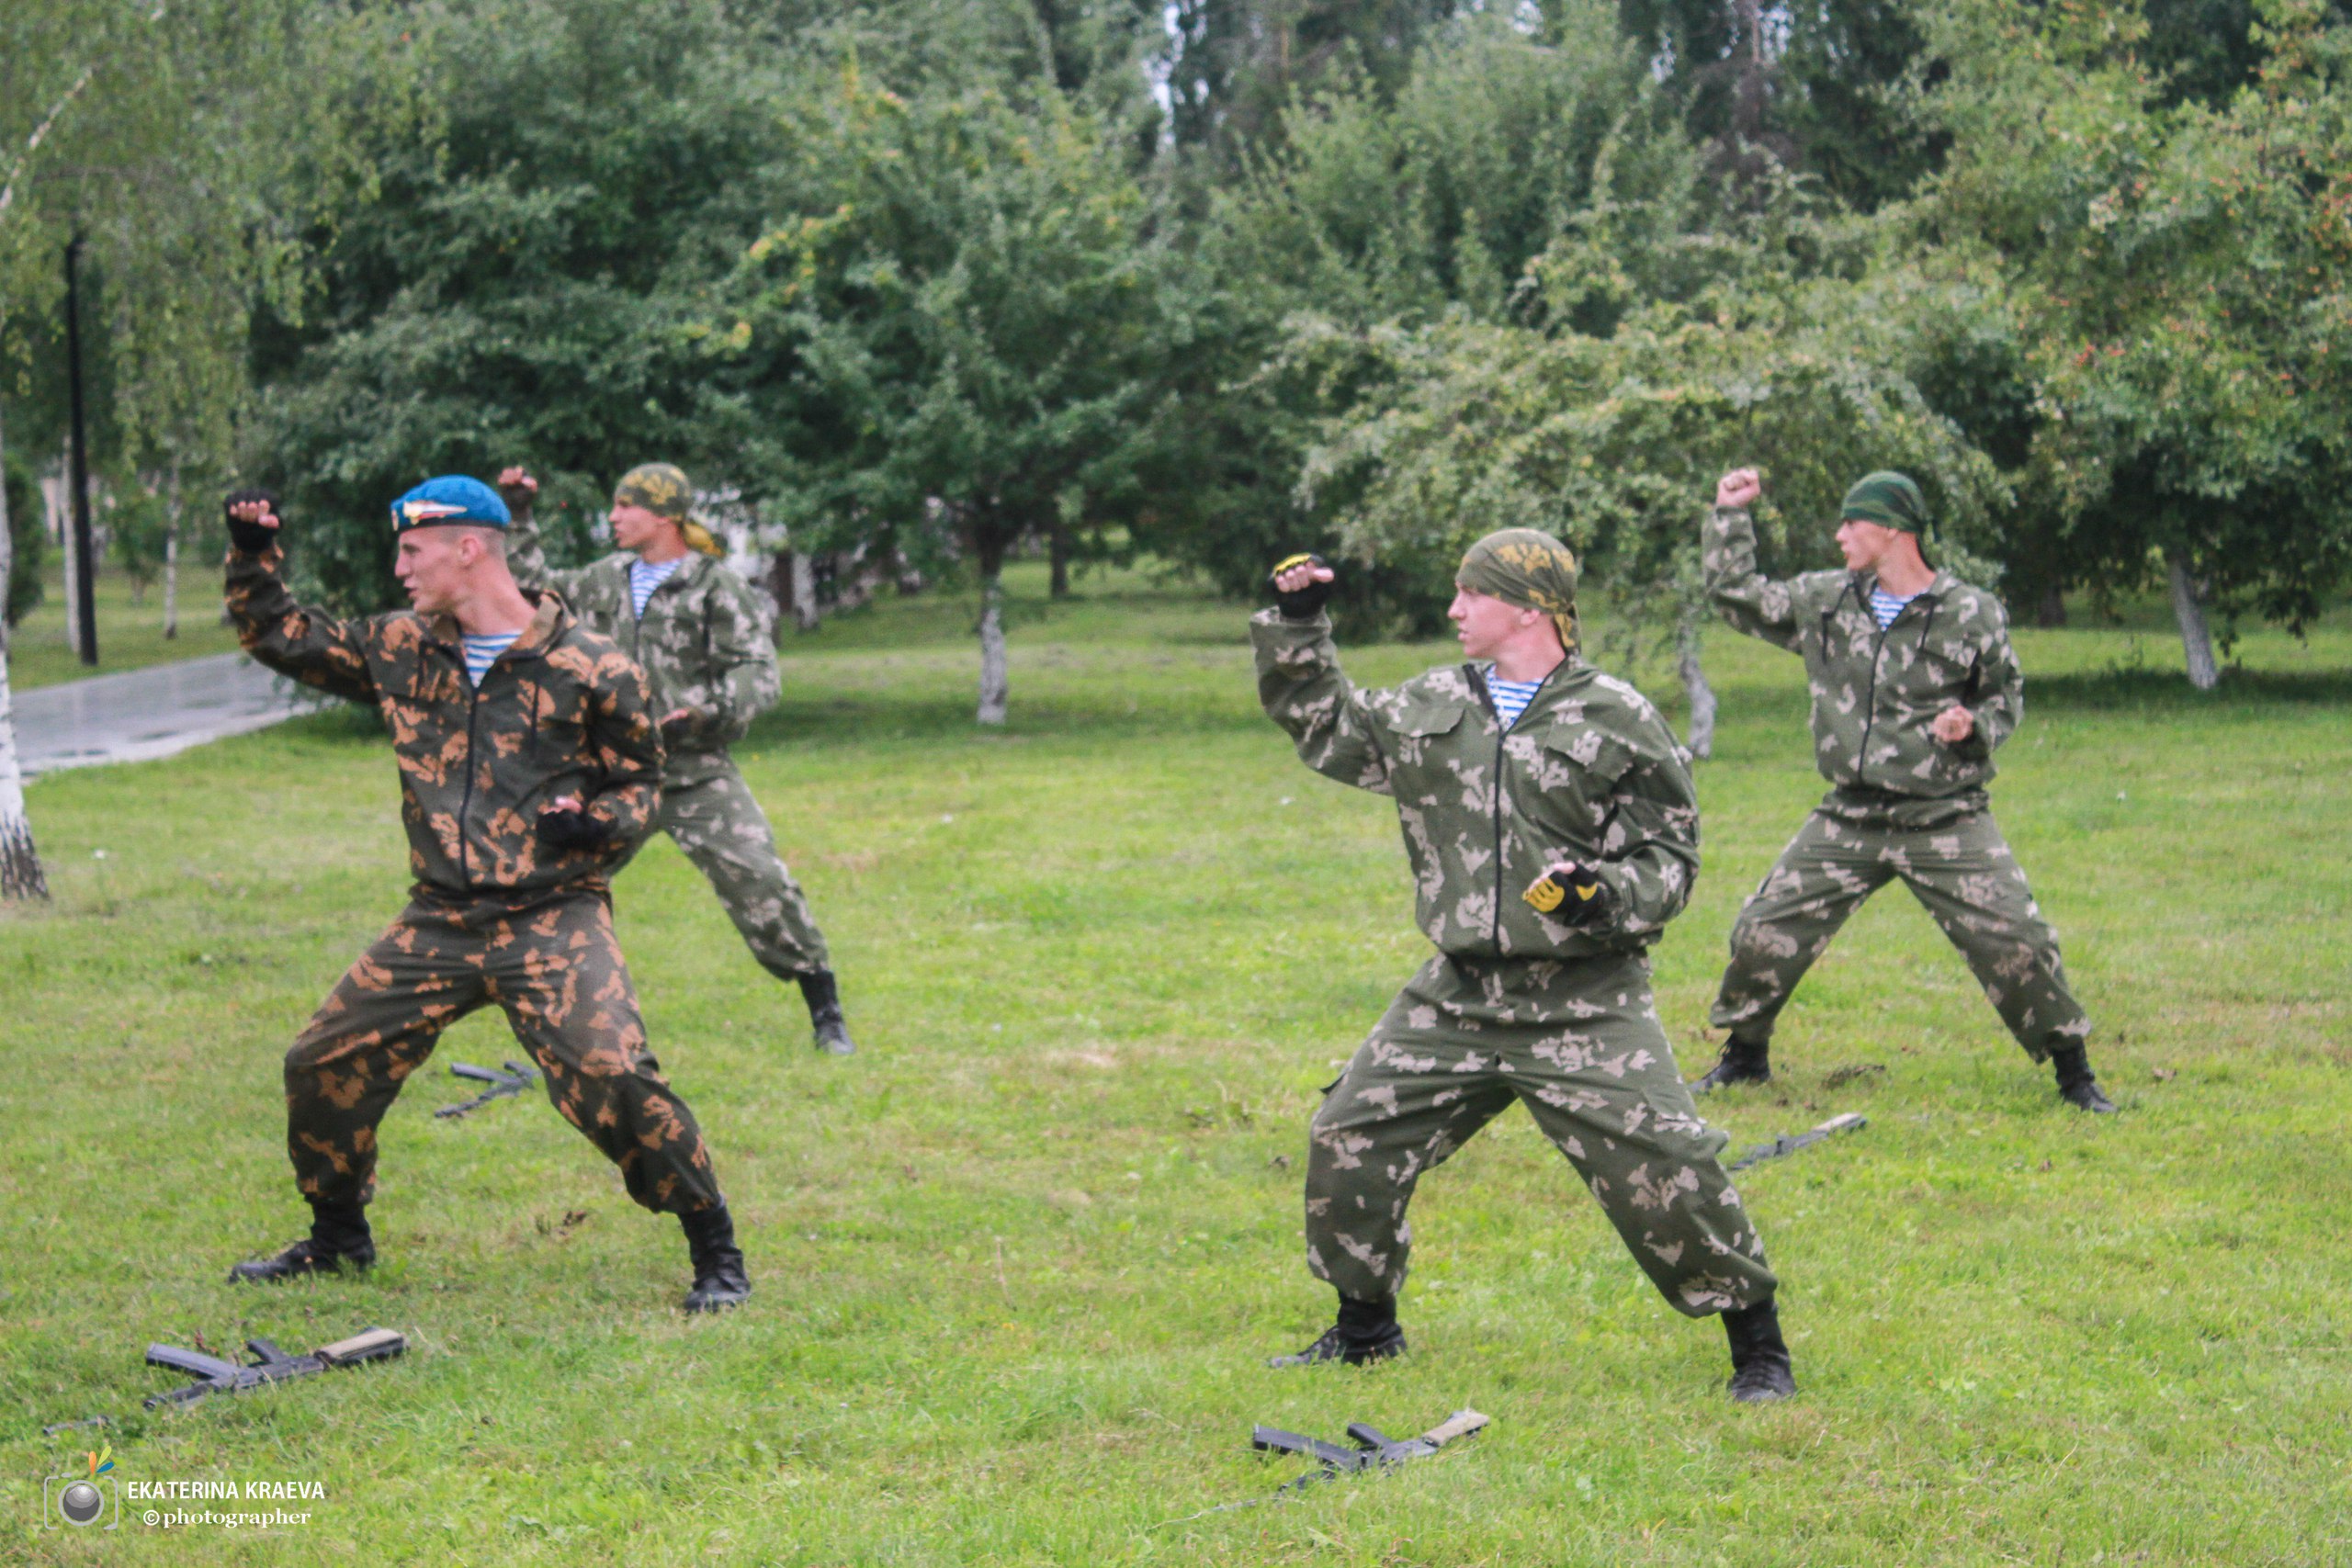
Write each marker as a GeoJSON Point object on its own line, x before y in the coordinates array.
{"type": "Point", "coordinates": [250, 538]}
{"type": "Point", "coordinates": [570, 830]}
{"type": "Point", "coordinates": [1306, 603]}
{"type": "Point", "coordinates": [1574, 896]}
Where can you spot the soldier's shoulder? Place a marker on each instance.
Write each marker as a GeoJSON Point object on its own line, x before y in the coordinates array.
{"type": "Point", "coordinates": [1972, 606]}
{"type": "Point", "coordinates": [1446, 683]}
{"type": "Point", "coordinates": [1617, 705]}
{"type": "Point", "coordinates": [397, 633]}
{"type": "Point", "coordinates": [1817, 590]}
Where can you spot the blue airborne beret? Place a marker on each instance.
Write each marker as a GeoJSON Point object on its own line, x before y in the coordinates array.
{"type": "Point", "coordinates": [452, 499]}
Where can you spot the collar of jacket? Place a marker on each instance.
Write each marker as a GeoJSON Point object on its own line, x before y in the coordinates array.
{"type": "Point", "coordinates": [1939, 587]}
{"type": "Point", "coordinates": [690, 570]}
{"type": "Point", "coordinates": [1571, 674]}
{"type": "Point", "coordinates": [547, 625]}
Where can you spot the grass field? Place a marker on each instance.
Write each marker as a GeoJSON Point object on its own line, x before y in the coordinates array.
{"type": "Point", "coordinates": [1019, 1260]}
{"type": "Point", "coordinates": [131, 636]}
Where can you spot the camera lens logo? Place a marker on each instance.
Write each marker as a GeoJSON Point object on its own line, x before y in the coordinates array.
{"type": "Point", "coordinates": [84, 1500]}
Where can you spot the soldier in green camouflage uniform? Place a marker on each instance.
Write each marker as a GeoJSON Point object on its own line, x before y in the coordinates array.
{"type": "Point", "coordinates": [1914, 685]}
{"type": "Point", "coordinates": [701, 635]}
{"type": "Point", "coordinates": [1533, 768]}
{"type": "Point", "coordinates": [529, 761]}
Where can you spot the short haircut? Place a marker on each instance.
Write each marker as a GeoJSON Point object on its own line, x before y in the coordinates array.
{"type": "Point", "coordinates": [493, 540]}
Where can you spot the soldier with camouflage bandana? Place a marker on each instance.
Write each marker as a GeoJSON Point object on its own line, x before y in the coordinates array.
{"type": "Point", "coordinates": [1914, 685]}
{"type": "Point", "coordinates": [698, 630]}
{"type": "Point", "coordinates": [529, 763]}
{"type": "Point", "coordinates": [1552, 830]}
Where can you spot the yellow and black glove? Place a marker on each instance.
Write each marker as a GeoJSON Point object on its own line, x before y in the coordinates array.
{"type": "Point", "coordinates": [1305, 604]}
{"type": "Point", "coordinates": [1572, 896]}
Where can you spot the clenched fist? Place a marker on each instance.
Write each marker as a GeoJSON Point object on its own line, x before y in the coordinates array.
{"type": "Point", "coordinates": [1739, 488]}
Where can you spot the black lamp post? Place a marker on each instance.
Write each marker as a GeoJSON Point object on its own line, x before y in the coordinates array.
{"type": "Point", "coordinates": [85, 590]}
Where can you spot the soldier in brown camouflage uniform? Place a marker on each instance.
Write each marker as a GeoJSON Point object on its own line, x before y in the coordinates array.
{"type": "Point", "coordinates": [1549, 822]}
{"type": "Point", "coordinates": [698, 631]}
{"type": "Point", "coordinates": [529, 760]}
{"type": "Point", "coordinates": [1913, 684]}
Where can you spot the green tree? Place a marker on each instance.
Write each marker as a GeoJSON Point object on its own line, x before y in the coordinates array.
{"type": "Point", "coordinates": [2174, 272]}
{"type": "Point", "coordinates": [516, 287]}
{"type": "Point", "coordinates": [951, 341]}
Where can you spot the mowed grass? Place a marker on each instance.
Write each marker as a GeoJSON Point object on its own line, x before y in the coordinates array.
{"type": "Point", "coordinates": [1019, 1260]}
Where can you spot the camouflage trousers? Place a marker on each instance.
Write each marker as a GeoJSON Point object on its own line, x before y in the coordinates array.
{"type": "Point", "coordinates": [551, 962]}
{"type": "Point", "coordinates": [1952, 857]}
{"type": "Point", "coordinates": [1578, 1042]}
{"type": "Point", "coordinates": [711, 814]}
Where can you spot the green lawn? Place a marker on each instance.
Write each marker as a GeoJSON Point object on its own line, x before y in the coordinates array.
{"type": "Point", "coordinates": [1018, 1260]}
{"type": "Point", "coordinates": [131, 635]}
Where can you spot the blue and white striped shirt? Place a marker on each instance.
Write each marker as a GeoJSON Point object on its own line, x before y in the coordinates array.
{"type": "Point", "coordinates": [482, 651]}
{"type": "Point", "coordinates": [1511, 697]}
{"type": "Point", "coordinates": [1885, 606]}
{"type": "Point", "coordinates": [645, 576]}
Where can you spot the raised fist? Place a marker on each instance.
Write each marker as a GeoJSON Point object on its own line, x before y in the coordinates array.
{"type": "Point", "coordinates": [252, 516]}
{"type": "Point", "coordinates": [1302, 585]}
{"type": "Point", "coordinates": [1739, 488]}
{"type": "Point", "coordinates": [517, 488]}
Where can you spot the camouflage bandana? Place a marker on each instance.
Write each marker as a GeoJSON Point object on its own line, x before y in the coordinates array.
{"type": "Point", "coordinates": [662, 489]}
{"type": "Point", "coordinates": [1889, 500]}
{"type": "Point", "coordinates": [1527, 567]}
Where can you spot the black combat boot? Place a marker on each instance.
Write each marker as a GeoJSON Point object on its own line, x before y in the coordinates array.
{"type": "Point", "coordinates": [1744, 1061]}
{"type": "Point", "coordinates": [2076, 1086]}
{"type": "Point", "coordinates": [1366, 1331]}
{"type": "Point", "coordinates": [339, 1240]}
{"type": "Point", "coordinates": [719, 1279]}
{"type": "Point", "coordinates": [1760, 1357]}
{"type": "Point", "coordinates": [824, 997]}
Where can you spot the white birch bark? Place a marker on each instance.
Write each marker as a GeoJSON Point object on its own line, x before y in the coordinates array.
{"type": "Point", "coordinates": [20, 872]}
{"type": "Point", "coordinates": [996, 690]}
{"type": "Point", "coordinates": [804, 591]}
{"type": "Point", "coordinates": [2195, 636]}
{"type": "Point", "coordinates": [1702, 738]}
{"type": "Point", "coordinates": [172, 558]}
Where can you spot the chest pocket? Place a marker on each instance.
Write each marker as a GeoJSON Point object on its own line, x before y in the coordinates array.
{"type": "Point", "coordinates": [1418, 730]}
{"type": "Point", "coordinates": [1576, 773]}
{"type": "Point", "coordinates": [556, 711]}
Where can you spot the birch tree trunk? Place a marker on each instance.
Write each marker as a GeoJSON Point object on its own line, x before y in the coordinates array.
{"type": "Point", "coordinates": [20, 873]}
{"type": "Point", "coordinates": [804, 591]}
{"type": "Point", "coordinates": [172, 558]}
{"type": "Point", "coordinates": [2195, 636]}
{"type": "Point", "coordinates": [996, 686]}
{"type": "Point", "coordinates": [1702, 738]}
{"type": "Point", "coordinates": [54, 496]}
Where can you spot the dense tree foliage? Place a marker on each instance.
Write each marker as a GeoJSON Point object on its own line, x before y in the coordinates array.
{"type": "Point", "coordinates": [945, 279]}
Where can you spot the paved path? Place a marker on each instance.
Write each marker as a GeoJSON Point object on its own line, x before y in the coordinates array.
{"type": "Point", "coordinates": [150, 713]}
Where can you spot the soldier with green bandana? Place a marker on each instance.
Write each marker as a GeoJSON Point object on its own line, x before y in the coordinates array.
{"type": "Point", "coordinates": [1913, 684]}
{"type": "Point", "coordinates": [700, 631]}
{"type": "Point", "coordinates": [1552, 831]}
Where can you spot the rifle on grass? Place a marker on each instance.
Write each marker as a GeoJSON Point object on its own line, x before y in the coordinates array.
{"type": "Point", "coordinates": [270, 1364]}
{"type": "Point", "coordinates": [1851, 1122]}
{"type": "Point", "coordinates": [518, 1076]}
{"type": "Point", "coordinates": [1374, 1449]}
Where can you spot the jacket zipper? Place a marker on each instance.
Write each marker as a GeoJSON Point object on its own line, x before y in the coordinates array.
{"type": "Point", "coordinates": [1878, 658]}
{"type": "Point", "coordinates": [466, 801]}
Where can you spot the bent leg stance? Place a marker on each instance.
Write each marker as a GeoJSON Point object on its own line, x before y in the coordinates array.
{"type": "Point", "coordinates": [1966, 877]}
{"type": "Point", "coordinates": [556, 969]}
{"type": "Point", "coordinates": [1581, 1044]}
{"type": "Point", "coordinates": [717, 823]}
{"type": "Point", "coordinates": [1823, 876]}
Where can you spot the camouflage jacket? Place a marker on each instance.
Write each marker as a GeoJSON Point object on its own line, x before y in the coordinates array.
{"type": "Point", "coordinates": [702, 640]}
{"type": "Point", "coordinates": [562, 712]}
{"type": "Point", "coordinates": [1590, 772]}
{"type": "Point", "coordinates": [1875, 694]}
